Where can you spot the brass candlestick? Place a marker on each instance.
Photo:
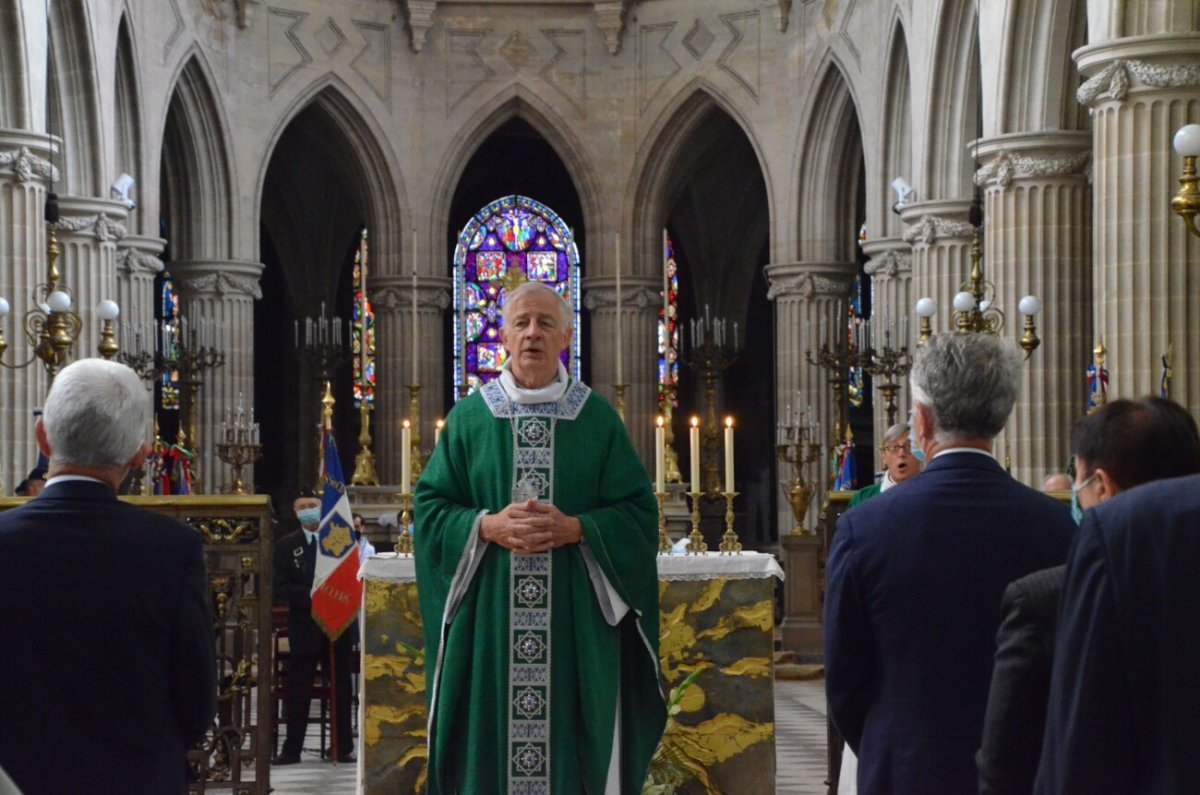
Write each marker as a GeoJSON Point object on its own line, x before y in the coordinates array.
{"type": "Point", "coordinates": [108, 345]}
{"type": "Point", "coordinates": [404, 542]}
{"type": "Point", "coordinates": [696, 545]}
{"type": "Point", "coordinates": [238, 453]}
{"type": "Point", "coordinates": [800, 447]}
{"type": "Point", "coordinates": [619, 400]}
{"type": "Point", "coordinates": [730, 543]}
{"type": "Point", "coordinates": [667, 405]}
{"type": "Point", "coordinates": [664, 542]}
{"type": "Point", "coordinates": [364, 463]}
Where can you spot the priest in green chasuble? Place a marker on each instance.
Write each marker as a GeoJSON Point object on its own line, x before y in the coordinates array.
{"type": "Point", "coordinates": [535, 539]}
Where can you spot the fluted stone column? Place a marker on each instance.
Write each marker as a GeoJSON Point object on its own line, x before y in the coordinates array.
{"type": "Point", "coordinates": [810, 305]}
{"type": "Point", "coordinates": [391, 298]}
{"type": "Point", "coordinates": [137, 266]}
{"type": "Point", "coordinates": [223, 291]}
{"type": "Point", "coordinates": [88, 232]}
{"type": "Point", "coordinates": [641, 298]}
{"type": "Point", "coordinates": [941, 255]}
{"type": "Point", "coordinates": [24, 172]}
{"type": "Point", "coordinates": [1140, 90]}
{"type": "Point", "coordinates": [890, 269]}
{"type": "Point", "coordinates": [1038, 241]}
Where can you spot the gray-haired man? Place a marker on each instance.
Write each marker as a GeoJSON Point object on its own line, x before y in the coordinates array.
{"type": "Point", "coordinates": [915, 577]}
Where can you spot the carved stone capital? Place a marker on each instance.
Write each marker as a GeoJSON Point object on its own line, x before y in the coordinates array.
{"type": "Point", "coordinates": [610, 19]}
{"type": "Point", "coordinates": [28, 166]}
{"type": "Point", "coordinates": [807, 281]}
{"type": "Point", "coordinates": [1113, 81]}
{"type": "Point", "coordinates": [131, 260]}
{"type": "Point", "coordinates": [223, 278]}
{"type": "Point", "coordinates": [890, 264]}
{"type": "Point", "coordinates": [606, 297]}
{"type": "Point", "coordinates": [102, 227]}
{"type": "Point", "coordinates": [1007, 166]}
{"type": "Point", "coordinates": [420, 20]}
{"type": "Point", "coordinates": [931, 228]}
{"type": "Point", "coordinates": [394, 299]}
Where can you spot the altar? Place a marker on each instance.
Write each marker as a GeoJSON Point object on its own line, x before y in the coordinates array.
{"type": "Point", "coordinates": [717, 622]}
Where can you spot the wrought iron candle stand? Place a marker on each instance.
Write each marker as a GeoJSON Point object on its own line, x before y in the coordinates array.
{"type": "Point", "coordinates": [800, 447]}
{"type": "Point", "coordinates": [839, 361]}
{"type": "Point", "coordinates": [711, 359]}
{"type": "Point", "coordinates": [889, 364]}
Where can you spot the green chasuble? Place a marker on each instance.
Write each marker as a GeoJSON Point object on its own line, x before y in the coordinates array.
{"type": "Point", "coordinates": [864, 494]}
{"type": "Point", "coordinates": [529, 680]}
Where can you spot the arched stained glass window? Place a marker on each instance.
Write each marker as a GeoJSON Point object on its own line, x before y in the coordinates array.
{"type": "Point", "coordinates": [168, 343]}
{"type": "Point", "coordinates": [511, 240]}
{"type": "Point", "coordinates": [362, 343]}
{"type": "Point", "coordinates": [668, 322]}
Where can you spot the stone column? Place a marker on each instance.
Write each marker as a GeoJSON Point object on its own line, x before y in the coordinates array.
{"type": "Point", "coordinates": [137, 266]}
{"type": "Point", "coordinates": [1038, 241]}
{"type": "Point", "coordinates": [88, 232]}
{"type": "Point", "coordinates": [1140, 90]}
{"type": "Point", "coordinates": [641, 298]}
{"type": "Point", "coordinates": [810, 305]}
{"type": "Point", "coordinates": [223, 291]}
{"type": "Point", "coordinates": [890, 269]}
{"type": "Point", "coordinates": [24, 172]}
{"type": "Point", "coordinates": [941, 256]}
{"type": "Point", "coordinates": [391, 298]}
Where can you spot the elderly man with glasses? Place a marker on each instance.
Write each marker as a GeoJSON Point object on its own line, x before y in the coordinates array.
{"type": "Point", "coordinates": [898, 463]}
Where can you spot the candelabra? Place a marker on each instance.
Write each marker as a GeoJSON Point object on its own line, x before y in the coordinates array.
{"type": "Point", "coordinates": [889, 364]}
{"type": "Point", "coordinates": [974, 305]}
{"type": "Point", "coordinates": [239, 443]}
{"type": "Point", "coordinates": [193, 361]}
{"type": "Point", "coordinates": [798, 445]}
{"type": "Point", "coordinates": [1187, 202]}
{"type": "Point", "coordinates": [324, 348]}
{"type": "Point", "coordinates": [711, 358]}
{"type": "Point", "coordinates": [838, 360]}
{"type": "Point", "coordinates": [364, 462]}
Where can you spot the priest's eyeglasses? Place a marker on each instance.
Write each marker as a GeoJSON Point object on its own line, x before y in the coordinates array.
{"type": "Point", "coordinates": [898, 447]}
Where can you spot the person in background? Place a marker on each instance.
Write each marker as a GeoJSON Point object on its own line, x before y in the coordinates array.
{"type": "Point", "coordinates": [33, 483]}
{"type": "Point", "coordinates": [915, 577]}
{"type": "Point", "coordinates": [365, 548]}
{"type": "Point", "coordinates": [308, 646]}
{"type": "Point", "coordinates": [108, 674]}
{"type": "Point", "coordinates": [895, 453]}
{"type": "Point", "coordinates": [1058, 481]}
{"type": "Point", "coordinates": [1123, 444]}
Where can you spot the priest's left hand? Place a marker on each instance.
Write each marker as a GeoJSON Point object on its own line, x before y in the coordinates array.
{"type": "Point", "coordinates": [557, 529]}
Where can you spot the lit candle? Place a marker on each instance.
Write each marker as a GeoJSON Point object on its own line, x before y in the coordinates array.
{"type": "Point", "coordinates": [437, 431]}
{"type": "Point", "coordinates": [694, 441]}
{"type": "Point", "coordinates": [729, 455]}
{"type": "Point", "coordinates": [406, 458]}
{"type": "Point", "coordinates": [414, 309]}
{"type": "Point", "coordinates": [620, 380]}
{"type": "Point", "coordinates": [660, 448]}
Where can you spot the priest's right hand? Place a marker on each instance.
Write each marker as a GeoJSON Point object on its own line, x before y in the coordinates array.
{"type": "Point", "coordinates": [513, 529]}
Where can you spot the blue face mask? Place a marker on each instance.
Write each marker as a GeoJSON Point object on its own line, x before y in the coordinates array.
{"type": "Point", "coordinates": [1076, 509]}
{"type": "Point", "coordinates": [309, 516]}
{"type": "Point", "coordinates": [917, 452]}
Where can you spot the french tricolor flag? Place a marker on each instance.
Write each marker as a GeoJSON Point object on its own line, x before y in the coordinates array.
{"type": "Point", "coordinates": [337, 591]}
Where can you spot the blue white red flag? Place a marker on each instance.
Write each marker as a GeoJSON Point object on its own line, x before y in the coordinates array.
{"type": "Point", "coordinates": [1097, 387]}
{"type": "Point", "coordinates": [336, 591]}
{"type": "Point", "coordinates": [845, 470]}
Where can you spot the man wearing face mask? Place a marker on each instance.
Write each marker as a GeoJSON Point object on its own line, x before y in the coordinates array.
{"type": "Point", "coordinates": [915, 577]}
{"type": "Point", "coordinates": [1121, 445]}
{"type": "Point", "coordinates": [295, 564]}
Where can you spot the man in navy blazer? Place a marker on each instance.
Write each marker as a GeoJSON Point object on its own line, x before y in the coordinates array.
{"type": "Point", "coordinates": [915, 578]}
{"type": "Point", "coordinates": [1124, 712]}
{"type": "Point", "coordinates": [108, 672]}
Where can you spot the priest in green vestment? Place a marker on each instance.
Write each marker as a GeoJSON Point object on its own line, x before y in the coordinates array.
{"type": "Point", "coordinates": [898, 463]}
{"type": "Point", "coordinates": [535, 535]}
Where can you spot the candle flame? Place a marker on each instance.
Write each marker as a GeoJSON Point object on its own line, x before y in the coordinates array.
{"type": "Point", "coordinates": [695, 421]}
{"type": "Point", "coordinates": [659, 420]}
{"type": "Point", "coordinates": [440, 424]}
{"type": "Point", "coordinates": [407, 424]}
{"type": "Point", "coordinates": [729, 422]}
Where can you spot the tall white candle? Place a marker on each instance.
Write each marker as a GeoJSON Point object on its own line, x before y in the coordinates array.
{"type": "Point", "coordinates": [620, 379]}
{"type": "Point", "coordinates": [406, 458]}
{"type": "Point", "coordinates": [694, 442]}
{"type": "Point", "coordinates": [414, 309]}
{"type": "Point", "coordinates": [660, 448]}
{"type": "Point", "coordinates": [437, 431]}
{"type": "Point", "coordinates": [729, 454]}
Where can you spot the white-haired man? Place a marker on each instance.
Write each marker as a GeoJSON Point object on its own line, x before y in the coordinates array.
{"type": "Point", "coordinates": [109, 675]}
{"type": "Point", "coordinates": [535, 550]}
{"type": "Point", "coordinates": [915, 578]}
{"type": "Point", "coordinates": [895, 453]}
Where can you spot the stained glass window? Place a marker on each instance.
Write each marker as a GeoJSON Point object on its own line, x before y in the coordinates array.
{"type": "Point", "coordinates": [513, 239]}
{"type": "Point", "coordinates": [362, 342]}
{"type": "Point", "coordinates": [854, 321]}
{"type": "Point", "coordinates": [668, 323]}
{"type": "Point", "coordinates": [169, 331]}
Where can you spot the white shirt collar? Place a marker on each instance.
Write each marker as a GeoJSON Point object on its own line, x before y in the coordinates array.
{"type": "Point", "coordinates": [65, 478]}
{"type": "Point", "coordinates": [975, 450]}
{"type": "Point", "coordinates": [887, 482]}
{"type": "Point", "coordinates": [549, 393]}
{"type": "Point", "coordinates": [309, 535]}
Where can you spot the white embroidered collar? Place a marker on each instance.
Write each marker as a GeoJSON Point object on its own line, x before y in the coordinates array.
{"type": "Point", "coordinates": [550, 393]}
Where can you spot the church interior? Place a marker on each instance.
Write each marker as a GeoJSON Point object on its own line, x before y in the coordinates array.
{"type": "Point", "coordinates": [293, 215]}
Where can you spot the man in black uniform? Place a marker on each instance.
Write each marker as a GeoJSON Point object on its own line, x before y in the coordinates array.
{"type": "Point", "coordinates": [295, 562]}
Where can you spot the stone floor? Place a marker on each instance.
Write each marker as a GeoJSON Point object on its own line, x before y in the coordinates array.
{"type": "Point", "coordinates": [799, 736]}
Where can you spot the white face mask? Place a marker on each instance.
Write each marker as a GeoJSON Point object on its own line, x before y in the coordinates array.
{"type": "Point", "coordinates": [309, 516]}
{"type": "Point", "coordinates": [917, 452]}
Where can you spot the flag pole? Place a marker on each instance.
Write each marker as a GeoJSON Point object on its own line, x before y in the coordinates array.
{"type": "Point", "coordinates": [333, 732]}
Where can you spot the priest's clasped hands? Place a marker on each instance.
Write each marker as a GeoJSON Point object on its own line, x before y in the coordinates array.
{"type": "Point", "coordinates": [530, 526]}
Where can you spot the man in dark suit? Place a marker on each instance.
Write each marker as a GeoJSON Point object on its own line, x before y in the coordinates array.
{"type": "Point", "coordinates": [108, 672]}
{"type": "Point", "coordinates": [1121, 445]}
{"type": "Point", "coordinates": [915, 577]}
{"type": "Point", "coordinates": [308, 646]}
{"type": "Point", "coordinates": [1124, 706]}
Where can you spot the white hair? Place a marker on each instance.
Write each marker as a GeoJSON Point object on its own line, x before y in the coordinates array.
{"type": "Point", "coordinates": [968, 381]}
{"type": "Point", "coordinates": [95, 415]}
{"type": "Point", "coordinates": [526, 288]}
